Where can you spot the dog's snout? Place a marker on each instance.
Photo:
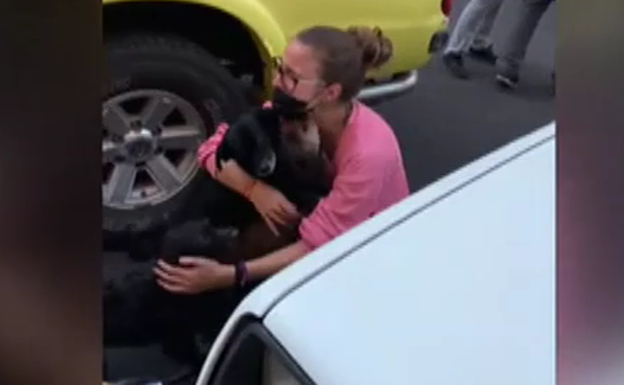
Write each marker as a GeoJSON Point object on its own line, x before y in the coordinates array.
{"type": "Point", "coordinates": [267, 163]}
{"type": "Point", "coordinates": [265, 169]}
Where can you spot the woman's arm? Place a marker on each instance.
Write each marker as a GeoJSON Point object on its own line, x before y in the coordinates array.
{"type": "Point", "coordinates": [198, 274]}
{"type": "Point", "coordinates": [351, 201]}
{"type": "Point", "coordinates": [234, 177]}
{"type": "Point", "coordinates": [273, 262]}
{"type": "Point", "coordinates": [270, 203]}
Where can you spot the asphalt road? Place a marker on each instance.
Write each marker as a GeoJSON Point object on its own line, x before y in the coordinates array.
{"type": "Point", "coordinates": [444, 124]}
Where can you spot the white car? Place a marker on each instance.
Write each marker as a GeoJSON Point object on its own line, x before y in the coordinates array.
{"type": "Point", "coordinates": [454, 285]}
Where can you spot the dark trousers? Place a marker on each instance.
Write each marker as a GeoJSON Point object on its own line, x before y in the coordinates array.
{"type": "Point", "coordinates": [523, 26]}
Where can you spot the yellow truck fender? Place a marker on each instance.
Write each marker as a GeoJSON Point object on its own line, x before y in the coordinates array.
{"type": "Point", "coordinates": [267, 35]}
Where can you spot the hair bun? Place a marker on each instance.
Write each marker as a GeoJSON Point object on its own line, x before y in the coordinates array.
{"type": "Point", "coordinates": [376, 48]}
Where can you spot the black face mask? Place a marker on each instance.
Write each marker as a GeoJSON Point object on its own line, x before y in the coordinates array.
{"type": "Point", "coordinates": [289, 107]}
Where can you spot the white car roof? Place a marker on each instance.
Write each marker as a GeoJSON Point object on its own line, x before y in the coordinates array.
{"type": "Point", "coordinates": [453, 285]}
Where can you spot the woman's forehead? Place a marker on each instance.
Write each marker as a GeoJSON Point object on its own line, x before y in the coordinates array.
{"type": "Point", "coordinates": [300, 58]}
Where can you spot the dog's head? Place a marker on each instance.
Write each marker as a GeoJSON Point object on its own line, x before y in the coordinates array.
{"type": "Point", "coordinates": [253, 142]}
{"type": "Point", "coordinates": [273, 149]}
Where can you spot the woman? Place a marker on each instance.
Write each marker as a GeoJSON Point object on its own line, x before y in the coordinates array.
{"type": "Point", "coordinates": [319, 77]}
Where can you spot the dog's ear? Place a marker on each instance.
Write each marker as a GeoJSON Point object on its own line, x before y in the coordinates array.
{"type": "Point", "coordinates": [264, 132]}
{"type": "Point", "coordinates": [236, 143]}
{"type": "Point", "coordinates": [260, 123]}
{"type": "Point", "coordinates": [269, 120]}
{"type": "Point", "coordinates": [250, 141]}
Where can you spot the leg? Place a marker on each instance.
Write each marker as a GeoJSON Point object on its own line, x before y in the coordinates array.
{"type": "Point", "coordinates": [463, 33]}
{"type": "Point", "coordinates": [467, 24]}
{"type": "Point", "coordinates": [191, 319]}
{"type": "Point", "coordinates": [481, 47]}
{"type": "Point", "coordinates": [514, 48]}
{"type": "Point", "coordinates": [482, 39]}
{"type": "Point", "coordinates": [125, 307]}
{"type": "Point", "coordinates": [177, 323]}
{"type": "Point", "coordinates": [136, 311]}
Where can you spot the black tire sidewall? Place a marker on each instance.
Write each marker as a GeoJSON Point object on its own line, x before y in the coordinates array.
{"type": "Point", "coordinates": [172, 65]}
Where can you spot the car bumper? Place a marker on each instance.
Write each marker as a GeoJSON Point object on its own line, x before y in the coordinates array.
{"type": "Point", "coordinates": [402, 83]}
{"type": "Point", "coordinates": [398, 86]}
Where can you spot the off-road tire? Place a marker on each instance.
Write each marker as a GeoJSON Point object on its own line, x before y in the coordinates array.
{"type": "Point", "coordinates": [175, 65]}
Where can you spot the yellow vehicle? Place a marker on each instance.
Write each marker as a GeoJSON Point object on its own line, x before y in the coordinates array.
{"type": "Point", "coordinates": [176, 68]}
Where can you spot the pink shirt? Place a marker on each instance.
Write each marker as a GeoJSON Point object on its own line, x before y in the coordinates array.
{"type": "Point", "coordinates": [370, 176]}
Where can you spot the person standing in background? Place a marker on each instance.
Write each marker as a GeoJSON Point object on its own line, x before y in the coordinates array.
{"type": "Point", "coordinates": [514, 47]}
{"type": "Point", "coordinates": [472, 34]}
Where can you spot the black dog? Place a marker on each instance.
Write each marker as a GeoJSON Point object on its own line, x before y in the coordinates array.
{"type": "Point", "coordinates": [271, 160]}
{"type": "Point", "coordinates": [256, 142]}
{"type": "Point", "coordinates": [137, 311]}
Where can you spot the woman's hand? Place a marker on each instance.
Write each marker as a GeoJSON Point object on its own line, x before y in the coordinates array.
{"type": "Point", "coordinates": [272, 205]}
{"type": "Point", "coordinates": [194, 275]}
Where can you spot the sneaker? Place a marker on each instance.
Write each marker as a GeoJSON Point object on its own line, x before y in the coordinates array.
{"type": "Point", "coordinates": [455, 64]}
{"type": "Point", "coordinates": [507, 81]}
{"type": "Point", "coordinates": [483, 54]}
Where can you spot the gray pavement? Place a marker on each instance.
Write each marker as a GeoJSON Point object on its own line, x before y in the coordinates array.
{"type": "Point", "coordinates": [444, 124]}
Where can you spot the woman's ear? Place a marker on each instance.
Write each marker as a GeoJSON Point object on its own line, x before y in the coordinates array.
{"type": "Point", "coordinates": [333, 92]}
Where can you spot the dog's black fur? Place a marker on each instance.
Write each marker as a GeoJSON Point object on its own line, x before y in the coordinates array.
{"type": "Point", "coordinates": [301, 184]}
{"type": "Point", "coordinates": [221, 225]}
{"type": "Point", "coordinates": [252, 142]}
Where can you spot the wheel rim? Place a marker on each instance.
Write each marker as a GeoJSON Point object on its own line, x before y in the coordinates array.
{"type": "Point", "coordinates": [150, 138]}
